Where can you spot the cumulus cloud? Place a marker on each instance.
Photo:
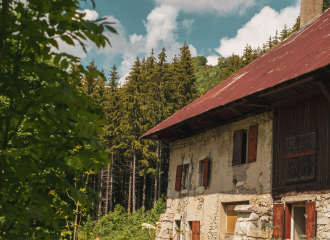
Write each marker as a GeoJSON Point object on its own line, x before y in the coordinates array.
{"type": "Point", "coordinates": [161, 25]}
{"type": "Point", "coordinates": [91, 15]}
{"type": "Point", "coordinates": [258, 29]}
{"type": "Point", "coordinates": [212, 60]}
{"type": "Point", "coordinates": [220, 7]}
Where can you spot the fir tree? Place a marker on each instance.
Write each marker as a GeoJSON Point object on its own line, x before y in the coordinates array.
{"type": "Point", "coordinates": [284, 33]}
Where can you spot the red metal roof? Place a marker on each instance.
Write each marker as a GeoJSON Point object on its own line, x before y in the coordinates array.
{"type": "Point", "coordinates": [306, 50]}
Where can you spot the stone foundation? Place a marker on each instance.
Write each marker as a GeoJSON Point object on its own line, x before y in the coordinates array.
{"type": "Point", "coordinates": [323, 216]}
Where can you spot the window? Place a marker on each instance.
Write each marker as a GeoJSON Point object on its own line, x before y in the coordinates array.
{"type": "Point", "coordinates": [200, 172]}
{"type": "Point", "coordinates": [231, 217]}
{"type": "Point", "coordinates": [177, 226]}
{"type": "Point", "coordinates": [245, 145]}
{"type": "Point", "coordinates": [299, 220]}
{"type": "Point", "coordinates": [185, 176]}
{"type": "Point", "coordinates": [203, 171]}
{"type": "Point", "coordinates": [300, 158]}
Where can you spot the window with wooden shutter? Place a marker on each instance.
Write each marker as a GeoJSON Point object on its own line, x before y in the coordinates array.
{"type": "Point", "coordinates": [195, 230]}
{"type": "Point", "coordinates": [310, 220]}
{"type": "Point", "coordinates": [300, 158]}
{"type": "Point", "coordinates": [205, 171]}
{"type": "Point", "coordinates": [245, 146]}
{"type": "Point", "coordinates": [178, 178]}
{"type": "Point", "coordinates": [278, 221]}
{"type": "Point", "coordinates": [253, 141]}
{"type": "Point", "coordinates": [238, 140]}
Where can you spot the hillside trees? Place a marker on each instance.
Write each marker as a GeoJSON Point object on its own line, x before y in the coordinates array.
{"type": "Point", "coordinates": [48, 128]}
{"type": "Point", "coordinates": [210, 76]}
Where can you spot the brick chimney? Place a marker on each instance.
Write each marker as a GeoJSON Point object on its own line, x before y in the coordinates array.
{"type": "Point", "coordinates": [309, 9]}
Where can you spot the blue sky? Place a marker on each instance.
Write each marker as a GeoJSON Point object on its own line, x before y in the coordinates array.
{"type": "Point", "coordinates": [211, 28]}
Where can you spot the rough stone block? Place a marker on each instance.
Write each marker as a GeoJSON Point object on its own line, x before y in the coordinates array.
{"type": "Point", "coordinates": [253, 217]}
{"type": "Point", "coordinates": [252, 209]}
{"type": "Point", "coordinates": [167, 225]}
{"type": "Point", "coordinates": [265, 219]}
{"type": "Point", "coordinates": [168, 217]}
{"type": "Point", "coordinates": [243, 217]}
{"type": "Point", "coordinates": [254, 229]}
{"type": "Point", "coordinates": [328, 235]}
{"type": "Point", "coordinates": [322, 221]}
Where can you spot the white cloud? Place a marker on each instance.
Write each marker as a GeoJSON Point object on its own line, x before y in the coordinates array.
{"type": "Point", "coordinates": [161, 25]}
{"type": "Point", "coordinates": [187, 24]}
{"type": "Point", "coordinates": [258, 29]}
{"type": "Point", "coordinates": [221, 7]}
{"type": "Point", "coordinates": [91, 15]}
{"type": "Point", "coordinates": [77, 50]}
{"type": "Point", "coordinates": [212, 60]}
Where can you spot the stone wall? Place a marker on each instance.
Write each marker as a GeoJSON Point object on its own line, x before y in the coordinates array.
{"type": "Point", "coordinates": [323, 216]}
{"type": "Point", "coordinates": [206, 204]}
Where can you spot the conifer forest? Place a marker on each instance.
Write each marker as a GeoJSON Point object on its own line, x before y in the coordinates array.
{"type": "Point", "coordinates": [72, 164]}
{"type": "Point", "coordinates": [155, 89]}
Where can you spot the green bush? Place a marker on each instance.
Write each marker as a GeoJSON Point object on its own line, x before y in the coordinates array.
{"type": "Point", "coordinates": [122, 225]}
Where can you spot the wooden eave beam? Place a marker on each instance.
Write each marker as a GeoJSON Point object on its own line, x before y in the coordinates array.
{"type": "Point", "coordinates": [325, 88]}
{"type": "Point", "coordinates": [258, 102]}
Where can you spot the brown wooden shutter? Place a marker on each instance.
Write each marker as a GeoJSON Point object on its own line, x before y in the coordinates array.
{"type": "Point", "coordinates": [253, 141]}
{"type": "Point", "coordinates": [178, 178]}
{"type": "Point", "coordinates": [195, 230]}
{"type": "Point", "coordinates": [278, 221]}
{"type": "Point", "coordinates": [310, 220]}
{"type": "Point", "coordinates": [205, 171]}
{"type": "Point", "coordinates": [237, 155]}
{"type": "Point", "coordinates": [288, 222]}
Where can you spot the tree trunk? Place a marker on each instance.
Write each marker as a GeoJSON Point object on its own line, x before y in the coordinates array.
{"type": "Point", "coordinates": [130, 189]}
{"type": "Point", "coordinates": [134, 168]}
{"type": "Point", "coordinates": [156, 176]}
{"type": "Point", "coordinates": [144, 192]}
{"type": "Point", "coordinates": [107, 190]}
{"type": "Point", "coordinates": [159, 169]}
{"type": "Point", "coordinates": [100, 192]}
{"type": "Point", "coordinates": [111, 184]}
{"type": "Point", "coordinates": [151, 192]}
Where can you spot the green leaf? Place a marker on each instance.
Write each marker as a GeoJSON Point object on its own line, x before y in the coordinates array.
{"type": "Point", "coordinates": [67, 39]}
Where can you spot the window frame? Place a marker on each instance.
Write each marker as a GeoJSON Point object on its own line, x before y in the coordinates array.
{"type": "Point", "coordinates": [299, 154]}
{"type": "Point", "coordinates": [226, 215]}
{"type": "Point", "coordinates": [185, 176]}
{"type": "Point", "coordinates": [246, 146]}
{"type": "Point", "coordinates": [201, 172]}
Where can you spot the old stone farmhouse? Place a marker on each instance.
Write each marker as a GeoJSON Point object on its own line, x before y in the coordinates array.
{"type": "Point", "coordinates": [254, 152]}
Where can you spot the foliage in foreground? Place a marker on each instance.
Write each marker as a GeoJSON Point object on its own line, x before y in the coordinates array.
{"type": "Point", "coordinates": [48, 127]}
{"type": "Point", "coordinates": [123, 225]}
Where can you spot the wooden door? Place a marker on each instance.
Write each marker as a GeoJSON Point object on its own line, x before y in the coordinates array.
{"type": "Point", "coordinates": [278, 221]}
{"type": "Point", "coordinates": [288, 221]}
{"type": "Point", "coordinates": [195, 230]}
{"type": "Point", "coordinates": [310, 220]}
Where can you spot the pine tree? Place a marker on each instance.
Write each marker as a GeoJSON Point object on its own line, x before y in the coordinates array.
{"type": "Point", "coordinates": [270, 43]}
{"type": "Point", "coordinates": [284, 33]}
{"type": "Point", "coordinates": [296, 26]}
{"type": "Point", "coordinates": [275, 39]}
{"type": "Point", "coordinates": [185, 78]}
{"type": "Point", "coordinates": [247, 55]}
{"type": "Point", "coordinates": [326, 4]}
